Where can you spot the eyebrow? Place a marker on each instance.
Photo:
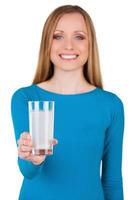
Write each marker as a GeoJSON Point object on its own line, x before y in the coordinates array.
{"type": "Point", "coordinates": [77, 31]}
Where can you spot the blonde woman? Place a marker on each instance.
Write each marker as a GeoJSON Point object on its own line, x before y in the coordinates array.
{"type": "Point", "coordinates": [89, 120]}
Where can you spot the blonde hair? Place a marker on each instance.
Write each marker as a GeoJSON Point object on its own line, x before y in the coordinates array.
{"type": "Point", "coordinates": [45, 68]}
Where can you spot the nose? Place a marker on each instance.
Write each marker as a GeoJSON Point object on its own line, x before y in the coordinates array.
{"type": "Point", "coordinates": [68, 44]}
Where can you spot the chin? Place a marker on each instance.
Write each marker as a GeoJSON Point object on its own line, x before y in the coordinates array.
{"type": "Point", "coordinates": [69, 68]}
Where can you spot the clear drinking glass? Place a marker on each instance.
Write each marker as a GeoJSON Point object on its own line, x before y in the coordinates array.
{"type": "Point", "coordinates": [41, 125]}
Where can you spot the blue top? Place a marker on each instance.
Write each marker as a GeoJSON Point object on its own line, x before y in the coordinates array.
{"type": "Point", "coordinates": [89, 128]}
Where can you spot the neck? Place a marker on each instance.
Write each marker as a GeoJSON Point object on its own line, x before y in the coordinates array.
{"type": "Point", "coordinates": [68, 82]}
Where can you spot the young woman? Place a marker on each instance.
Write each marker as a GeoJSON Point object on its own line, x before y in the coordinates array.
{"type": "Point", "coordinates": [89, 121]}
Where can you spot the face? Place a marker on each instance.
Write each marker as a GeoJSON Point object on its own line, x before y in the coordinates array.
{"type": "Point", "coordinates": [69, 49]}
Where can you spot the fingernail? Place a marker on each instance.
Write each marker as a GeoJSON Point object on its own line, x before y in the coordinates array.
{"type": "Point", "coordinates": [28, 136]}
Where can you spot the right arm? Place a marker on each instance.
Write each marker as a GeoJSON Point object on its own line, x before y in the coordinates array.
{"type": "Point", "coordinates": [19, 112]}
{"type": "Point", "coordinates": [29, 165]}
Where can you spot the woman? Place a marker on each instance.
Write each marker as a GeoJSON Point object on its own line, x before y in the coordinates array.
{"type": "Point", "coordinates": [89, 121]}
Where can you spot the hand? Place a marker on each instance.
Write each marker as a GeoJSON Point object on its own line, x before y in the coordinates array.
{"type": "Point", "coordinates": [25, 149]}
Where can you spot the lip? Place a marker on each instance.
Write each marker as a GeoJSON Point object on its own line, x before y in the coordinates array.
{"type": "Point", "coordinates": [69, 59]}
{"type": "Point", "coordinates": [68, 54]}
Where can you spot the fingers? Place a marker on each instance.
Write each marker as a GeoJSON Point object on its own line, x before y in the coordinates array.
{"type": "Point", "coordinates": [25, 148]}
{"type": "Point", "coordinates": [25, 139]}
{"type": "Point", "coordinates": [24, 142]}
{"type": "Point", "coordinates": [24, 155]}
{"type": "Point", "coordinates": [25, 136]}
{"type": "Point", "coordinates": [55, 141]}
{"type": "Point", "coordinates": [24, 145]}
{"type": "Point", "coordinates": [37, 160]}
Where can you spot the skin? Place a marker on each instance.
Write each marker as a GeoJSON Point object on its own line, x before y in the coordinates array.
{"type": "Point", "coordinates": [70, 37]}
{"type": "Point", "coordinates": [25, 149]}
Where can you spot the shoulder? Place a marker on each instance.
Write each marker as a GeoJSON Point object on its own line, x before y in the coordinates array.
{"type": "Point", "coordinates": [22, 93]}
{"type": "Point", "coordinates": [109, 97]}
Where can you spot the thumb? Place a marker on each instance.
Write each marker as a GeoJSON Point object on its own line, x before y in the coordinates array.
{"type": "Point", "coordinates": [55, 141]}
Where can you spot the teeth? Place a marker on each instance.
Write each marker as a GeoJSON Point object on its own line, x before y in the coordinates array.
{"type": "Point", "coordinates": [68, 56]}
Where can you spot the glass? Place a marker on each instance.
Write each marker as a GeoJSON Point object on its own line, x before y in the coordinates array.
{"type": "Point", "coordinates": [41, 125]}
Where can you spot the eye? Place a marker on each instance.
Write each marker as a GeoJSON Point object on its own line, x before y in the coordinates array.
{"type": "Point", "coordinates": [80, 37]}
{"type": "Point", "coordinates": [57, 37]}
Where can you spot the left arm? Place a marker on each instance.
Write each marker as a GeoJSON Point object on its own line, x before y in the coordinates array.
{"type": "Point", "coordinates": [112, 156]}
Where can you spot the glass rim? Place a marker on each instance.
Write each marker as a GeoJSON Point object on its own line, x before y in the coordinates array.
{"type": "Point", "coordinates": [40, 101]}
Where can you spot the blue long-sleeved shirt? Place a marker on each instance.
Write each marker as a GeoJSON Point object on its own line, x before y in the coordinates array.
{"type": "Point", "coordinates": [89, 128]}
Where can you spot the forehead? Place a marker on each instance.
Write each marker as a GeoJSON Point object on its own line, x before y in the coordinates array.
{"type": "Point", "coordinates": [71, 21]}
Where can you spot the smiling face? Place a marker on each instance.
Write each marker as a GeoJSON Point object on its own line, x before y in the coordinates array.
{"type": "Point", "coordinates": [69, 49]}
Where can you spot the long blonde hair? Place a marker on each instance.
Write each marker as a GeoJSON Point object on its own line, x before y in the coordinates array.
{"type": "Point", "coordinates": [45, 68]}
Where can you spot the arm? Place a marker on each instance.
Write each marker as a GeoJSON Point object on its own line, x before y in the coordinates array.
{"type": "Point", "coordinates": [112, 156]}
{"type": "Point", "coordinates": [19, 112]}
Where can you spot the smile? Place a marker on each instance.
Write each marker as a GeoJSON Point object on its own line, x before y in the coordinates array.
{"type": "Point", "coordinates": [68, 56]}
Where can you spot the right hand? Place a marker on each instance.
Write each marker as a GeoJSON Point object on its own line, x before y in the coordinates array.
{"type": "Point", "coordinates": [25, 149]}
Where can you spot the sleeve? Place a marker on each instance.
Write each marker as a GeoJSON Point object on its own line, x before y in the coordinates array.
{"type": "Point", "coordinates": [112, 155]}
{"type": "Point", "coordinates": [19, 113]}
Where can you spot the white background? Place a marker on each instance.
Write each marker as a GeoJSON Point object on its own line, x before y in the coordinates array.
{"type": "Point", "coordinates": [21, 24]}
